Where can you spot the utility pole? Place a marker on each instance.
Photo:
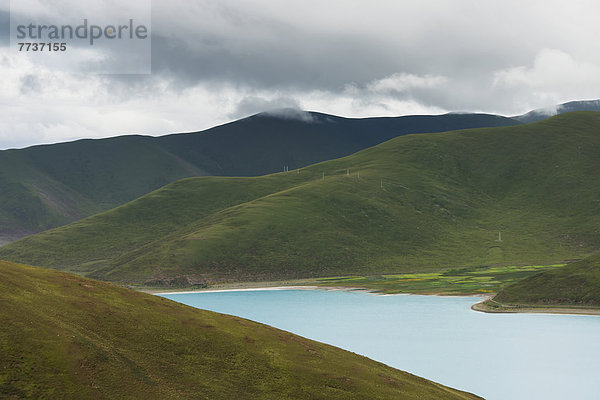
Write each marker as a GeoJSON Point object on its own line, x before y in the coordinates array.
{"type": "Point", "coordinates": [323, 175]}
{"type": "Point", "coordinates": [499, 236]}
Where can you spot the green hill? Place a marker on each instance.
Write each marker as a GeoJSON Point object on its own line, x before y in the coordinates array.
{"type": "Point", "coordinates": [416, 203]}
{"type": "Point", "coordinates": [577, 284]}
{"type": "Point", "coordinates": [66, 337]}
{"type": "Point", "coordinates": [47, 186]}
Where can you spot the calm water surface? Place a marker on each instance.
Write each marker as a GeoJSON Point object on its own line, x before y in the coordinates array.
{"type": "Point", "coordinates": [497, 356]}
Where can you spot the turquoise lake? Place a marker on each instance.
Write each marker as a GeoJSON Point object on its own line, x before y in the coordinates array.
{"type": "Point", "coordinates": [497, 356]}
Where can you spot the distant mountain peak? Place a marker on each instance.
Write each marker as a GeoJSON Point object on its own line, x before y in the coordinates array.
{"type": "Point", "coordinates": [550, 111]}
{"type": "Point", "coordinates": [582, 105]}
{"type": "Point", "coordinates": [290, 113]}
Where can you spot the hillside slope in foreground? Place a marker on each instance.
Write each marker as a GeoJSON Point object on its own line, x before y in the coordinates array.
{"type": "Point", "coordinates": [64, 336]}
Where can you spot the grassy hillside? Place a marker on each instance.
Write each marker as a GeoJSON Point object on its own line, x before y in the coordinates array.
{"type": "Point", "coordinates": [577, 284]}
{"type": "Point", "coordinates": [48, 186]}
{"type": "Point", "coordinates": [417, 203]}
{"type": "Point", "coordinates": [64, 337]}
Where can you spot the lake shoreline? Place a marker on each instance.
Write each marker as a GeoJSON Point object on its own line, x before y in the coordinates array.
{"type": "Point", "coordinates": [484, 307]}
{"type": "Point", "coordinates": [277, 288]}
{"type": "Point", "coordinates": [237, 289]}
{"type": "Point", "coordinates": [479, 307]}
{"type": "Point", "coordinates": [252, 288]}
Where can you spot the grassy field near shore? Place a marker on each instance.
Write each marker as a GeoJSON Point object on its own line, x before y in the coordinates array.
{"type": "Point", "coordinates": [485, 280]}
{"type": "Point", "coordinates": [460, 281]}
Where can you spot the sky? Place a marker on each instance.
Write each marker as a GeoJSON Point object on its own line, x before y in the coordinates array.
{"type": "Point", "coordinates": [213, 62]}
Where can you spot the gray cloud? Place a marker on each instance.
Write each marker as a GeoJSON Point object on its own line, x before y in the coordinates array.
{"type": "Point", "coordinates": [30, 83]}
{"type": "Point", "coordinates": [327, 46]}
{"type": "Point", "coordinates": [213, 61]}
{"type": "Point", "coordinates": [297, 62]}
{"type": "Point", "coordinates": [291, 113]}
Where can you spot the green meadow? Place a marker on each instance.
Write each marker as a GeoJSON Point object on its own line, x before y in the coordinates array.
{"type": "Point", "coordinates": [462, 281]}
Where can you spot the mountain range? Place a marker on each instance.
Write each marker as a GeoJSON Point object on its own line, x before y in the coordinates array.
{"type": "Point", "coordinates": [518, 195]}
{"type": "Point", "coordinates": [42, 187]}
{"type": "Point", "coordinates": [46, 186]}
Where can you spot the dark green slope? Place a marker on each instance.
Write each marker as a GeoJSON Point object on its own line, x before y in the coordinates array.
{"type": "Point", "coordinates": [263, 144]}
{"type": "Point", "coordinates": [66, 337]}
{"type": "Point", "coordinates": [577, 284]}
{"type": "Point", "coordinates": [421, 203]}
{"type": "Point", "coordinates": [48, 186]}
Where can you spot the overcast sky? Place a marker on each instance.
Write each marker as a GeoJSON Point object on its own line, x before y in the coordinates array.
{"type": "Point", "coordinates": [216, 61]}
